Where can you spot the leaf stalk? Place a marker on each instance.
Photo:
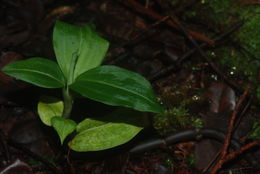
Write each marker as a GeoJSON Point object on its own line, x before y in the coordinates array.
{"type": "Point", "coordinates": [68, 102]}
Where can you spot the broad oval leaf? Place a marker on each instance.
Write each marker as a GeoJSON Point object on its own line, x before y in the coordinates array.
{"type": "Point", "coordinates": [120, 115]}
{"type": "Point", "coordinates": [66, 43]}
{"type": "Point", "coordinates": [89, 123]}
{"type": "Point", "coordinates": [63, 127]}
{"type": "Point", "coordinates": [49, 107]}
{"type": "Point", "coordinates": [118, 87]}
{"type": "Point", "coordinates": [103, 137]}
{"type": "Point", "coordinates": [92, 50]}
{"type": "Point", "coordinates": [77, 49]}
{"type": "Point", "coordinates": [38, 71]}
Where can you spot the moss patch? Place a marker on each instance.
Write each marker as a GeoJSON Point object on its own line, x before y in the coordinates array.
{"type": "Point", "coordinates": [242, 57]}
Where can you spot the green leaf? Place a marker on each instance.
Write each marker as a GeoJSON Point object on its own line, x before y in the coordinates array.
{"type": "Point", "coordinates": [109, 131]}
{"type": "Point", "coordinates": [66, 43]}
{"type": "Point", "coordinates": [121, 115]}
{"type": "Point", "coordinates": [103, 137]}
{"type": "Point", "coordinates": [89, 123]}
{"type": "Point", "coordinates": [118, 87]}
{"type": "Point", "coordinates": [77, 49]}
{"type": "Point", "coordinates": [63, 126]}
{"type": "Point", "coordinates": [49, 107]}
{"type": "Point", "coordinates": [38, 71]}
{"type": "Point", "coordinates": [93, 49]}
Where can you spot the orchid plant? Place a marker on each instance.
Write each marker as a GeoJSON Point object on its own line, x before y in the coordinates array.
{"type": "Point", "coordinates": [80, 52]}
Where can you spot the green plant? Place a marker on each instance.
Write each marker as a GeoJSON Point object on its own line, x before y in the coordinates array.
{"type": "Point", "coordinates": [255, 134]}
{"type": "Point", "coordinates": [79, 52]}
{"type": "Point", "coordinates": [174, 119]}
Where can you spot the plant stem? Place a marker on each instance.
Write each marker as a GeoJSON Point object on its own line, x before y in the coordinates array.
{"type": "Point", "coordinates": [68, 102]}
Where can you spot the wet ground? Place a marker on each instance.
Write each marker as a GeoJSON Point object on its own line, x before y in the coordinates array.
{"type": "Point", "coordinates": [169, 45]}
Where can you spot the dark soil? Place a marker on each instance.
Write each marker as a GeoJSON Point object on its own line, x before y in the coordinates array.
{"type": "Point", "coordinates": [161, 40]}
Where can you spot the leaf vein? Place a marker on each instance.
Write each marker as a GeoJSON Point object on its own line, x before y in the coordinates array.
{"type": "Point", "coordinates": [39, 72]}
{"type": "Point", "coordinates": [118, 87]}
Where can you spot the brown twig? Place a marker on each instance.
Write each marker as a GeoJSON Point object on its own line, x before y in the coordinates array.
{"type": "Point", "coordinates": [215, 39]}
{"type": "Point", "coordinates": [226, 144]}
{"type": "Point", "coordinates": [203, 54]}
{"type": "Point", "coordinates": [140, 37]}
{"type": "Point", "coordinates": [236, 125]}
{"type": "Point", "coordinates": [192, 51]}
{"type": "Point", "coordinates": [245, 109]}
{"type": "Point", "coordinates": [241, 150]}
{"type": "Point", "coordinates": [232, 123]}
{"type": "Point", "coordinates": [233, 85]}
{"type": "Point", "coordinates": [211, 163]}
{"type": "Point", "coordinates": [156, 16]}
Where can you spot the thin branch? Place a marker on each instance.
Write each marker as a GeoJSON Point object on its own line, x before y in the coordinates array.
{"type": "Point", "coordinates": [215, 39]}
{"type": "Point", "coordinates": [192, 51]}
{"type": "Point", "coordinates": [245, 108]}
{"type": "Point", "coordinates": [202, 53]}
{"type": "Point", "coordinates": [241, 150]}
{"type": "Point", "coordinates": [226, 144]}
{"type": "Point", "coordinates": [232, 123]}
{"type": "Point", "coordinates": [140, 37]}
{"type": "Point", "coordinates": [156, 16]}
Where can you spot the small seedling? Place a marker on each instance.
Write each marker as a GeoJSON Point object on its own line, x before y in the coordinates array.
{"type": "Point", "coordinates": [79, 52]}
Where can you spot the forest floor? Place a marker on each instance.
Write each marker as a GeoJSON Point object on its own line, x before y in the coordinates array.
{"type": "Point", "coordinates": [202, 58]}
